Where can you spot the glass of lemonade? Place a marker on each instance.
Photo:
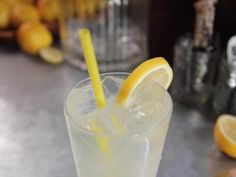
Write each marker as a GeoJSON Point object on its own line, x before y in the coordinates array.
{"type": "Point", "coordinates": [126, 142]}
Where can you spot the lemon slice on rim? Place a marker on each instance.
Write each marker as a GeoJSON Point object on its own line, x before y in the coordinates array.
{"type": "Point", "coordinates": [156, 69]}
{"type": "Point", "coordinates": [225, 134]}
{"type": "Point", "coordinates": [51, 55]}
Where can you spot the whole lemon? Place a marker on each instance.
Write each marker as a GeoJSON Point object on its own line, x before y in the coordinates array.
{"type": "Point", "coordinates": [48, 9]}
{"type": "Point", "coordinates": [4, 14]}
{"type": "Point", "coordinates": [33, 36]}
{"type": "Point", "coordinates": [23, 12]}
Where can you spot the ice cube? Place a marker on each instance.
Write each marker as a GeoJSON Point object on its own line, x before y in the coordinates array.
{"type": "Point", "coordinates": [89, 104]}
{"type": "Point", "coordinates": [81, 101]}
{"type": "Point", "coordinates": [144, 116]}
{"type": "Point", "coordinates": [148, 107]}
{"type": "Point", "coordinates": [73, 102]}
{"type": "Point", "coordinates": [150, 91]}
{"type": "Point", "coordinates": [111, 85]}
{"type": "Point", "coordinates": [109, 121]}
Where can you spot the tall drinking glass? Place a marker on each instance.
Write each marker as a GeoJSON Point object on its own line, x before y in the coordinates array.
{"type": "Point", "coordinates": [107, 154]}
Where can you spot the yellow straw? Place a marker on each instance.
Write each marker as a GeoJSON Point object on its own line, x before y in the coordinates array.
{"type": "Point", "coordinates": [90, 58]}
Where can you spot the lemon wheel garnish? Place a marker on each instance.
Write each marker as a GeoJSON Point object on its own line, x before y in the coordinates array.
{"type": "Point", "coordinates": [51, 55]}
{"type": "Point", "coordinates": [156, 69]}
{"type": "Point", "coordinates": [225, 134]}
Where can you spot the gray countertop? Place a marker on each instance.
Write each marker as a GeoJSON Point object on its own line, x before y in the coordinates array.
{"type": "Point", "coordinates": [33, 135]}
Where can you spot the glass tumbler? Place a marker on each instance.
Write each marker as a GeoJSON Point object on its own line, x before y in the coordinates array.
{"type": "Point", "coordinates": [118, 27]}
{"type": "Point", "coordinates": [105, 154]}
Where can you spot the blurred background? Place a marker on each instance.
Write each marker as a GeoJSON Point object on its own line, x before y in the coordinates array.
{"type": "Point", "coordinates": [171, 18]}
{"type": "Point", "coordinates": [192, 35]}
{"type": "Point", "coordinates": [168, 20]}
{"type": "Point", "coordinates": [41, 58]}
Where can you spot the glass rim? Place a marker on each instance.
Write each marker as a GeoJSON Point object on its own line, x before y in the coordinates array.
{"type": "Point", "coordinates": [72, 122]}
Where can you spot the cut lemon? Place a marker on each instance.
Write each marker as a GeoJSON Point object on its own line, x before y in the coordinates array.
{"type": "Point", "coordinates": [51, 55]}
{"type": "Point", "coordinates": [225, 134]}
{"type": "Point", "coordinates": [156, 69]}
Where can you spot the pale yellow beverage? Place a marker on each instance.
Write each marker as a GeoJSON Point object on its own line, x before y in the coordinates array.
{"type": "Point", "coordinates": [118, 141]}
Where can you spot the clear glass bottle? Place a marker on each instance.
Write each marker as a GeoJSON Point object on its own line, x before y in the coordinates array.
{"type": "Point", "coordinates": [118, 27]}
{"type": "Point", "coordinates": [225, 92]}
{"type": "Point", "coordinates": [195, 58]}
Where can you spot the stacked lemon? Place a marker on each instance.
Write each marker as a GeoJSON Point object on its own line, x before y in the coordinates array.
{"type": "Point", "coordinates": [32, 35]}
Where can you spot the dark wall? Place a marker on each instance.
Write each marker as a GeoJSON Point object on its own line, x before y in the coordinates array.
{"type": "Point", "coordinates": [225, 22]}
{"type": "Point", "coordinates": [172, 18]}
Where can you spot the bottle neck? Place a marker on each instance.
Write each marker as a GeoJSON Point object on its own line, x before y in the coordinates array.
{"type": "Point", "coordinates": [204, 23]}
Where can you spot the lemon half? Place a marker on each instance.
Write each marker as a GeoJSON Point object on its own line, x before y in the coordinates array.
{"type": "Point", "coordinates": [225, 134]}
